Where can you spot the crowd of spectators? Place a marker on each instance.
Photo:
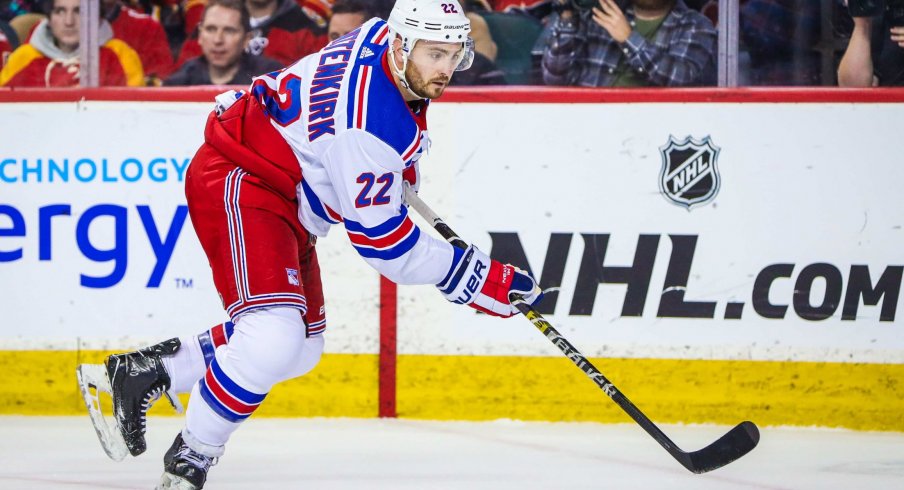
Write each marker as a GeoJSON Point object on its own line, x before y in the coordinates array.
{"type": "Point", "coordinates": [590, 43]}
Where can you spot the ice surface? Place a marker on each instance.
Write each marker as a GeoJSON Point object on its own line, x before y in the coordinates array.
{"type": "Point", "coordinates": [63, 452]}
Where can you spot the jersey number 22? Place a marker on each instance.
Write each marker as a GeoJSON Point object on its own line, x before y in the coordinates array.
{"type": "Point", "coordinates": [368, 179]}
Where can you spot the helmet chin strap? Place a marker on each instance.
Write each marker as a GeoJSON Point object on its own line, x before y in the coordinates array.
{"type": "Point", "coordinates": [400, 72]}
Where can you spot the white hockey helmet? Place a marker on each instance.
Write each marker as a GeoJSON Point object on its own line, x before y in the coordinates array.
{"type": "Point", "coordinates": [431, 20]}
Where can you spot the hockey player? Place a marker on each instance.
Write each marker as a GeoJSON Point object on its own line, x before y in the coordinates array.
{"type": "Point", "coordinates": [329, 140]}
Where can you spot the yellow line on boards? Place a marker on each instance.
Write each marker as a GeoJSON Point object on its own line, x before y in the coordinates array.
{"type": "Point", "coordinates": [856, 396]}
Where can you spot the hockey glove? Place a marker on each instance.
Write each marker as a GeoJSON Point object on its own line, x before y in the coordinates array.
{"type": "Point", "coordinates": [410, 175]}
{"type": "Point", "coordinates": [486, 285]}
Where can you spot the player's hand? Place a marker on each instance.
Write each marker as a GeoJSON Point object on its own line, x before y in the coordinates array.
{"type": "Point", "coordinates": [897, 36]}
{"type": "Point", "coordinates": [610, 17]}
{"type": "Point", "coordinates": [486, 285]}
{"type": "Point", "coordinates": [411, 176]}
{"type": "Point", "coordinates": [525, 286]}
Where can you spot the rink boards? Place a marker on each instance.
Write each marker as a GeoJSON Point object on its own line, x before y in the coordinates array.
{"type": "Point", "coordinates": [720, 255]}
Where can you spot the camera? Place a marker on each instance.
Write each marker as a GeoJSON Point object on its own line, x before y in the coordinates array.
{"type": "Point", "coordinates": [892, 9]}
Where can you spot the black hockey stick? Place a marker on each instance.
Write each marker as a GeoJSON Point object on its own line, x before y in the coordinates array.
{"type": "Point", "coordinates": [735, 443]}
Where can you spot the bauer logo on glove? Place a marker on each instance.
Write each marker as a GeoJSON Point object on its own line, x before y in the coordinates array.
{"type": "Point", "coordinates": [491, 292]}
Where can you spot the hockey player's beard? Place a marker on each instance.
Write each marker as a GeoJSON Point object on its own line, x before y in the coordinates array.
{"type": "Point", "coordinates": [421, 88]}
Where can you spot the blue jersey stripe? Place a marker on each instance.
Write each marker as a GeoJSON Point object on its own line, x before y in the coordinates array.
{"type": "Point", "coordinates": [395, 252]}
{"type": "Point", "coordinates": [352, 86]}
{"type": "Point", "coordinates": [316, 205]}
{"type": "Point", "coordinates": [207, 347]}
{"type": "Point", "coordinates": [393, 123]}
{"type": "Point", "coordinates": [216, 406]}
{"type": "Point", "coordinates": [456, 257]}
{"type": "Point", "coordinates": [382, 229]}
{"type": "Point", "coordinates": [245, 396]}
{"type": "Point", "coordinates": [453, 283]}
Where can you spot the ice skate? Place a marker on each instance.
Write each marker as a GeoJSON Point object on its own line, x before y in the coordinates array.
{"type": "Point", "coordinates": [184, 468]}
{"type": "Point", "coordinates": [135, 380]}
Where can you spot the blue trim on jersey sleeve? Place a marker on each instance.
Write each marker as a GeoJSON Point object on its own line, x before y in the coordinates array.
{"type": "Point", "coordinates": [456, 258]}
{"type": "Point", "coordinates": [461, 266]}
{"type": "Point", "coordinates": [316, 205]}
{"type": "Point", "coordinates": [382, 229]}
{"type": "Point", "coordinates": [394, 252]}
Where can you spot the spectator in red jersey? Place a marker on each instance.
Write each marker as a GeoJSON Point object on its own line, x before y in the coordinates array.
{"type": "Point", "coordinates": [51, 57]}
{"type": "Point", "coordinates": [223, 34]}
{"type": "Point", "coordinates": [145, 35]}
{"type": "Point", "coordinates": [280, 30]}
{"type": "Point", "coordinates": [283, 31]}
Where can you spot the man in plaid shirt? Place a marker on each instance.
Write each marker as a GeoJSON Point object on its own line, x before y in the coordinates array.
{"type": "Point", "coordinates": [650, 43]}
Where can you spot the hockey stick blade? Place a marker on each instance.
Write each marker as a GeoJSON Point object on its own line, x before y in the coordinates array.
{"type": "Point", "coordinates": [734, 444]}
{"type": "Point", "coordinates": [92, 380]}
{"type": "Point", "coordinates": [731, 446]}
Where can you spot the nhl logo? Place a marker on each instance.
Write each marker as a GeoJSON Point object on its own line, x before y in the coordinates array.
{"type": "Point", "coordinates": [689, 175]}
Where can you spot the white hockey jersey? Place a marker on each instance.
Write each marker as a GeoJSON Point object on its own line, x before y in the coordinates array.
{"type": "Point", "coordinates": [353, 135]}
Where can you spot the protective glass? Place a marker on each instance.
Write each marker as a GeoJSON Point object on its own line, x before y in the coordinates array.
{"type": "Point", "coordinates": [439, 56]}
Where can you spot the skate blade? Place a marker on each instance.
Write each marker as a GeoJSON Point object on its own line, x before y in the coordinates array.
{"type": "Point", "coordinates": [173, 482]}
{"type": "Point", "coordinates": [92, 380]}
